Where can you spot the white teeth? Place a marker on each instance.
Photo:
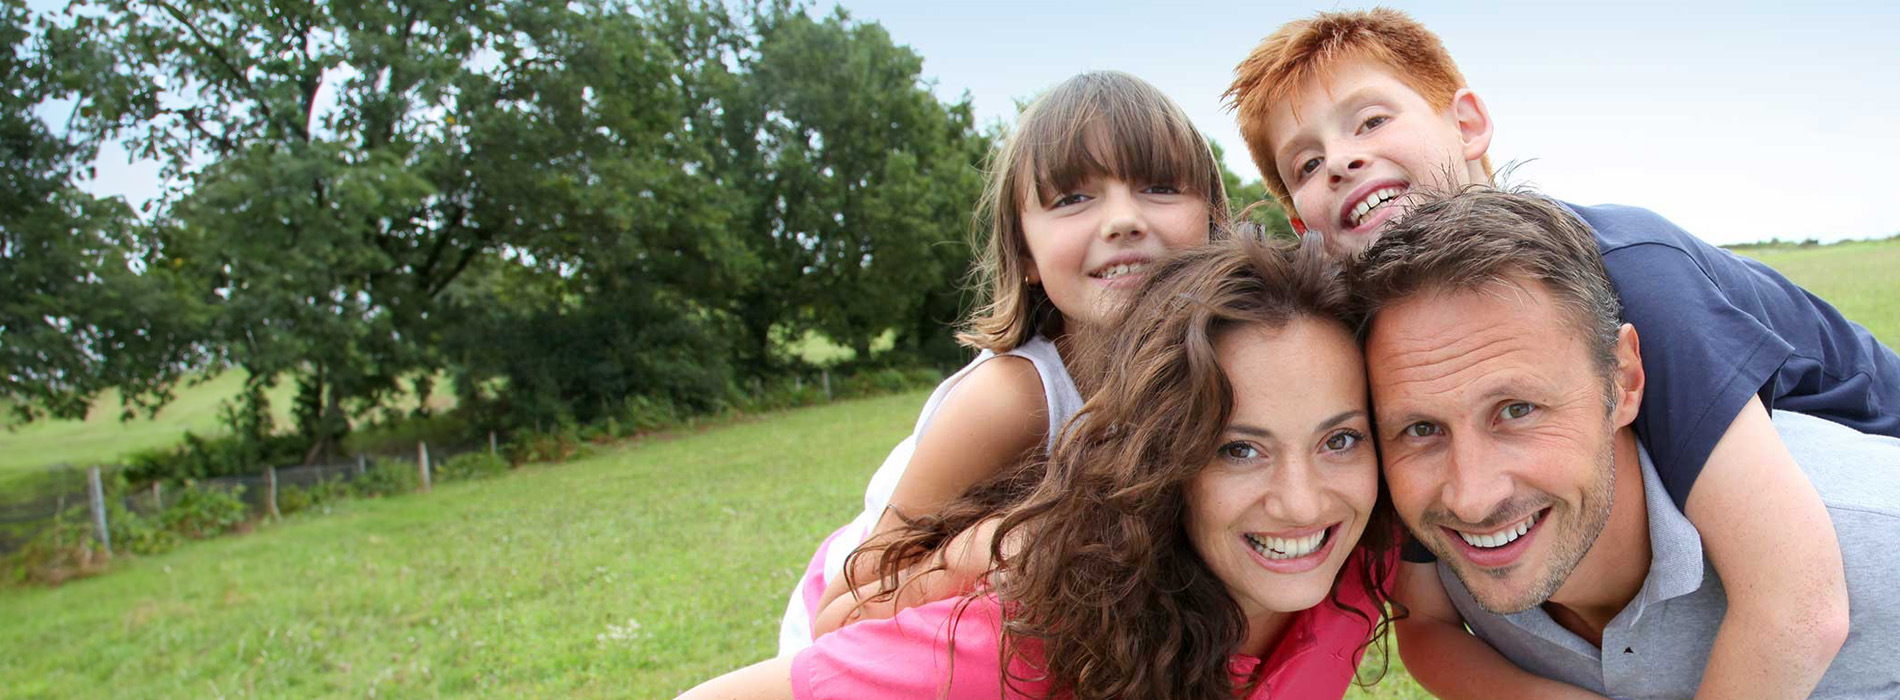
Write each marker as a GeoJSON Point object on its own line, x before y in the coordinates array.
{"type": "Point", "coordinates": [1287, 547]}
{"type": "Point", "coordinates": [1501, 537]}
{"type": "Point", "coordinates": [1114, 271]}
{"type": "Point", "coordinates": [1375, 199]}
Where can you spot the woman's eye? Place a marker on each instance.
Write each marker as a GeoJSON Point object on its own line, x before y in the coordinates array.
{"type": "Point", "coordinates": [1341, 441]}
{"type": "Point", "coordinates": [1239, 450]}
{"type": "Point", "coordinates": [1513, 411]}
{"type": "Point", "coordinates": [1374, 122]}
{"type": "Point", "coordinates": [1420, 429]}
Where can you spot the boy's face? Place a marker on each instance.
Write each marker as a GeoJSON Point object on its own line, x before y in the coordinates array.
{"type": "Point", "coordinates": [1350, 147]}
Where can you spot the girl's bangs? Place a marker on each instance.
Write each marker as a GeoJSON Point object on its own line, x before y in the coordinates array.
{"type": "Point", "coordinates": [1144, 142]}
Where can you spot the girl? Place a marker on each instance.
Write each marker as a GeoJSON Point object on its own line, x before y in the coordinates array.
{"type": "Point", "coordinates": [1211, 525]}
{"type": "Point", "coordinates": [1102, 175]}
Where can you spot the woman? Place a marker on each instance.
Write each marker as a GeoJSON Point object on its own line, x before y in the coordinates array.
{"type": "Point", "coordinates": [1210, 526]}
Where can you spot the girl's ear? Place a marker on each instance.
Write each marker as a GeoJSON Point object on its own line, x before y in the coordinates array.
{"type": "Point", "coordinates": [1473, 120]}
{"type": "Point", "coordinates": [1030, 274]}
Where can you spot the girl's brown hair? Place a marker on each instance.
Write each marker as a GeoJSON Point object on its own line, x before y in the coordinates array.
{"type": "Point", "coordinates": [1096, 123]}
{"type": "Point", "coordinates": [1107, 586]}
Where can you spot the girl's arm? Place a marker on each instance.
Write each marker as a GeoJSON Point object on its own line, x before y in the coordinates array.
{"type": "Point", "coordinates": [770, 679]}
{"type": "Point", "coordinates": [994, 418]}
{"type": "Point", "coordinates": [1768, 534]}
{"type": "Point", "coordinates": [1449, 662]}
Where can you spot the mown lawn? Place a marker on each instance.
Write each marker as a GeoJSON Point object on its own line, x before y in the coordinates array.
{"type": "Point", "coordinates": [1860, 278]}
{"type": "Point", "coordinates": [634, 573]}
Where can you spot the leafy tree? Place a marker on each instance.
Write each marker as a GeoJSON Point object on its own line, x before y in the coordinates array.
{"type": "Point", "coordinates": [345, 163]}
{"type": "Point", "coordinates": [1251, 203]}
{"type": "Point", "coordinates": [81, 307]}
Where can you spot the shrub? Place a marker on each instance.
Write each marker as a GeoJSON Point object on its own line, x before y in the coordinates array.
{"type": "Point", "coordinates": [474, 465]}
{"type": "Point", "coordinates": [385, 477]}
{"type": "Point", "coordinates": [201, 512]}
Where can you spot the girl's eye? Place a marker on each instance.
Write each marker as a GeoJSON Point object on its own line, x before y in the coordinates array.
{"type": "Point", "coordinates": [1068, 199]}
{"type": "Point", "coordinates": [1374, 122]}
{"type": "Point", "coordinates": [1163, 189]}
{"type": "Point", "coordinates": [1420, 429]}
{"type": "Point", "coordinates": [1343, 440]}
{"type": "Point", "coordinates": [1514, 411]}
{"type": "Point", "coordinates": [1239, 451]}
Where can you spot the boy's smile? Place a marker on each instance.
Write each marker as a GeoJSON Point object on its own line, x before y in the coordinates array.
{"type": "Point", "coordinates": [1352, 145]}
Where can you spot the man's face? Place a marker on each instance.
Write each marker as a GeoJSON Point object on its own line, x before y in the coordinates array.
{"type": "Point", "coordinates": [1350, 147]}
{"type": "Point", "coordinates": [1496, 439]}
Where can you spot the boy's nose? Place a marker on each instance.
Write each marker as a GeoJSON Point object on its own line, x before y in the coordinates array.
{"type": "Point", "coordinates": [1345, 167]}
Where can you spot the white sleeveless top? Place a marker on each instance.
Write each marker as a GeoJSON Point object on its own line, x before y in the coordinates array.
{"type": "Point", "coordinates": [1063, 402]}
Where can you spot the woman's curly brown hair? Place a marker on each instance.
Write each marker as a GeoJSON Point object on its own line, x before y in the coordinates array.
{"type": "Point", "coordinates": [1108, 598]}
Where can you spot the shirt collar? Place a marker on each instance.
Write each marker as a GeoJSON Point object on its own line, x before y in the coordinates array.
{"type": "Point", "coordinates": [1676, 567]}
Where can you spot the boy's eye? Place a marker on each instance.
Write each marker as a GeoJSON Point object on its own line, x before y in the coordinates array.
{"type": "Point", "coordinates": [1309, 166]}
{"type": "Point", "coordinates": [1374, 122]}
{"type": "Point", "coordinates": [1513, 411]}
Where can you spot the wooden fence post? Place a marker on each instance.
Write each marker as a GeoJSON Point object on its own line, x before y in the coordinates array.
{"type": "Point", "coordinates": [492, 450]}
{"type": "Point", "coordinates": [361, 468]}
{"type": "Point", "coordinates": [158, 498]}
{"type": "Point", "coordinates": [98, 510]}
{"type": "Point", "coordinates": [422, 464]}
{"type": "Point", "coordinates": [270, 473]}
{"type": "Point", "coordinates": [827, 378]}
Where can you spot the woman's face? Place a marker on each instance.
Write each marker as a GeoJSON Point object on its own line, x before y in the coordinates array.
{"type": "Point", "coordinates": [1295, 477]}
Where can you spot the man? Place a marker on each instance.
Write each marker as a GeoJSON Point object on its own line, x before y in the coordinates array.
{"type": "Point", "coordinates": [1505, 385]}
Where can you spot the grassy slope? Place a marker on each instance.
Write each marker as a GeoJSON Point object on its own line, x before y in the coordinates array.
{"type": "Point", "coordinates": [1862, 279]}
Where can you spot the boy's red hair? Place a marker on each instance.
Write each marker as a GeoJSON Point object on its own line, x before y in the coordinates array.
{"type": "Point", "coordinates": [1308, 49]}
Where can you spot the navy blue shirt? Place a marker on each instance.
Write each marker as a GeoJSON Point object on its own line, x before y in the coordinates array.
{"type": "Point", "coordinates": [1716, 328]}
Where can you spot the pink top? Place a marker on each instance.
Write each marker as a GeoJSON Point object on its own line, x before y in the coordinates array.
{"type": "Point", "coordinates": [911, 656]}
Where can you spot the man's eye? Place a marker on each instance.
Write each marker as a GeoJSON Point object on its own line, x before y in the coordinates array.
{"type": "Point", "coordinates": [1513, 411]}
{"type": "Point", "coordinates": [1239, 450]}
{"type": "Point", "coordinates": [1344, 440]}
{"type": "Point", "coordinates": [1374, 122]}
{"type": "Point", "coordinates": [1420, 429]}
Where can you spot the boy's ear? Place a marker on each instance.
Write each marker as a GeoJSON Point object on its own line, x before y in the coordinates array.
{"type": "Point", "coordinates": [1473, 120]}
{"type": "Point", "coordinates": [1299, 226]}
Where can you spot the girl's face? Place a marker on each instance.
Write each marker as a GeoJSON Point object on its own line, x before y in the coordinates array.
{"type": "Point", "coordinates": [1295, 477]}
{"type": "Point", "coordinates": [1090, 246]}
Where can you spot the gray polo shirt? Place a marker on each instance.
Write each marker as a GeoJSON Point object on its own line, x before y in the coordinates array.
{"type": "Point", "coordinates": [1659, 644]}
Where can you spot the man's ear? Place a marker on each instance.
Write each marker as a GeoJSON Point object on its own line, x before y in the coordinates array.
{"type": "Point", "coordinates": [1473, 120]}
{"type": "Point", "coordinates": [1628, 375]}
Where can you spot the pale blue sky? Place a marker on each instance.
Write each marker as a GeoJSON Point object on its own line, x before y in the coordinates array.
{"type": "Point", "coordinates": [1738, 120]}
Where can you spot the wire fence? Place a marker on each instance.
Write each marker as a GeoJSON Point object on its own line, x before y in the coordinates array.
{"type": "Point", "coordinates": [70, 493]}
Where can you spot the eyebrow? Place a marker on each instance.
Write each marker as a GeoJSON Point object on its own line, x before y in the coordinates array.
{"type": "Point", "coordinates": [1259, 433]}
{"type": "Point", "coordinates": [1356, 99]}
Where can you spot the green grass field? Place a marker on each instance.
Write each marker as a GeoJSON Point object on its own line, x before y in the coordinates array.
{"type": "Point", "coordinates": [634, 573]}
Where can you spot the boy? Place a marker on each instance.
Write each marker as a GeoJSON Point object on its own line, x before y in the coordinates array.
{"type": "Point", "coordinates": [1348, 113]}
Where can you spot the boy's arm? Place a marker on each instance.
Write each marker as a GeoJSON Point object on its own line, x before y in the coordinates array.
{"type": "Point", "coordinates": [1767, 533]}
{"type": "Point", "coordinates": [994, 418]}
{"type": "Point", "coordinates": [1450, 662]}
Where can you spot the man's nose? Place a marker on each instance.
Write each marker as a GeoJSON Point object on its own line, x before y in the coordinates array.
{"type": "Point", "coordinates": [1474, 485]}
